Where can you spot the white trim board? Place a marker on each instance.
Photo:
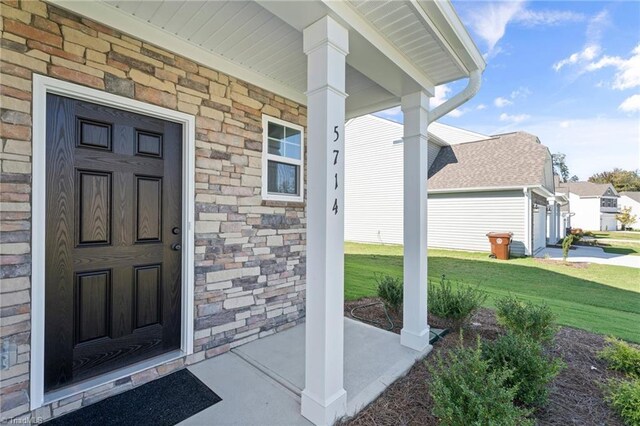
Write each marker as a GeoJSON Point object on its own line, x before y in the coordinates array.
{"type": "Point", "coordinates": [41, 87]}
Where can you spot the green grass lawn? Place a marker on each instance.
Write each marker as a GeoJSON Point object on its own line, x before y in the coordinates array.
{"type": "Point", "coordinates": [618, 235]}
{"type": "Point", "coordinates": [598, 298]}
{"type": "Point", "coordinates": [632, 248]}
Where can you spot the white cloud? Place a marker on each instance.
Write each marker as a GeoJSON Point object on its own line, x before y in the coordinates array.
{"type": "Point", "coordinates": [440, 96]}
{"type": "Point", "coordinates": [481, 107]}
{"type": "Point", "coordinates": [531, 18]}
{"type": "Point", "coordinates": [516, 118]}
{"type": "Point", "coordinates": [631, 104]}
{"type": "Point", "coordinates": [582, 142]}
{"type": "Point", "coordinates": [521, 92]}
{"type": "Point", "coordinates": [501, 102]}
{"type": "Point", "coordinates": [565, 124]}
{"type": "Point", "coordinates": [489, 20]}
{"type": "Point", "coordinates": [592, 48]}
{"type": "Point", "coordinates": [627, 70]}
{"type": "Point", "coordinates": [585, 55]}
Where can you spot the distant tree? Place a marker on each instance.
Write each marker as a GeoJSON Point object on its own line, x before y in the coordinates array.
{"type": "Point", "coordinates": [626, 218]}
{"type": "Point", "coordinates": [574, 178]}
{"type": "Point", "coordinates": [622, 180]}
{"type": "Point", "coordinates": [560, 167]}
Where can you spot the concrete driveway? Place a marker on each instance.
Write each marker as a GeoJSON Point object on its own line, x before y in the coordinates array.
{"type": "Point", "coordinates": [592, 255]}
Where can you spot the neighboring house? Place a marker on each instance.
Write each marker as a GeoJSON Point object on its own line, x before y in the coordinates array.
{"type": "Point", "coordinates": [157, 205]}
{"type": "Point", "coordinates": [592, 206]}
{"type": "Point", "coordinates": [631, 199]}
{"type": "Point", "coordinates": [497, 183]}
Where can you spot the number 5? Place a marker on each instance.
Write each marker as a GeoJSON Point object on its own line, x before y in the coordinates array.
{"type": "Point", "coordinates": [335, 132]}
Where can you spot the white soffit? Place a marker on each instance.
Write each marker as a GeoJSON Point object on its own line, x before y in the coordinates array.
{"type": "Point", "coordinates": [260, 42]}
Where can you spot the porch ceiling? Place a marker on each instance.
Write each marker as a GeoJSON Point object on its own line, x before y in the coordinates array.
{"type": "Point", "coordinates": [395, 47]}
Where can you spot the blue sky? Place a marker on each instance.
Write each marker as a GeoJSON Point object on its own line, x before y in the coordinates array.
{"type": "Point", "coordinates": [568, 72]}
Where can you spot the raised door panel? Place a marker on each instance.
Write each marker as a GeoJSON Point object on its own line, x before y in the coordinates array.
{"type": "Point", "coordinates": [93, 207]}
{"type": "Point", "coordinates": [93, 293]}
{"type": "Point", "coordinates": [93, 134]}
{"type": "Point", "coordinates": [148, 209]}
{"type": "Point", "coordinates": [147, 295]}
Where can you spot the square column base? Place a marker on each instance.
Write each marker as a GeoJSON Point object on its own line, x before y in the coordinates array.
{"type": "Point", "coordinates": [417, 342]}
{"type": "Point", "coordinates": [321, 415]}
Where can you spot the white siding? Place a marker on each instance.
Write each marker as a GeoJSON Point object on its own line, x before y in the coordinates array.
{"type": "Point", "coordinates": [586, 212]}
{"type": "Point", "coordinates": [374, 180]}
{"type": "Point", "coordinates": [461, 221]}
{"type": "Point", "coordinates": [626, 201]}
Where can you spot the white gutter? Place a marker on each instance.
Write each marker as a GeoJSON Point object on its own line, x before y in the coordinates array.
{"type": "Point", "coordinates": [473, 86]}
{"type": "Point", "coordinates": [491, 188]}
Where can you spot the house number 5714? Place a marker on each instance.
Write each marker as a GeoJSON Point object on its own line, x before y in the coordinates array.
{"type": "Point", "coordinates": [336, 153]}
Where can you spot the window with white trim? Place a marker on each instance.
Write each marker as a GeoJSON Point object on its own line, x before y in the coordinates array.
{"type": "Point", "coordinates": [282, 160]}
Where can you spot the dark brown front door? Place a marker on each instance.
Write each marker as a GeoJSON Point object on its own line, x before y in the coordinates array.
{"type": "Point", "coordinates": [113, 260]}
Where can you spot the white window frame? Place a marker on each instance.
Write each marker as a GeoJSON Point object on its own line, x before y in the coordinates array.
{"type": "Point", "coordinates": [266, 119]}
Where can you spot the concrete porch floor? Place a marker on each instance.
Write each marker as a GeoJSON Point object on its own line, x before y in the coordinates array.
{"type": "Point", "coordinates": [260, 382]}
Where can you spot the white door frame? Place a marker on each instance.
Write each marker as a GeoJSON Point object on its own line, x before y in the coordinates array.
{"type": "Point", "coordinates": [41, 87]}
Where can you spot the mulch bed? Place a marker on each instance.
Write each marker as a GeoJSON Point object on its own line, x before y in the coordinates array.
{"type": "Point", "coordinates": [575, 397]}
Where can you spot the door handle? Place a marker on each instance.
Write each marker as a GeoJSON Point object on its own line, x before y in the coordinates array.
{"type": "Point", "coordinates": [176, 247]}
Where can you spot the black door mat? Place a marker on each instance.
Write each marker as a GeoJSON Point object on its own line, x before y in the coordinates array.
{"type": "Point", "coordinates": [166, 401]}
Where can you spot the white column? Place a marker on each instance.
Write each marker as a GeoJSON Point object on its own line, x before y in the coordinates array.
{"type": "Point", "coordinates": [326, 44]}
{"type": "Point", "coordinates": [415, 331]}
{"type": "Point", "coordinates": [553, 221]}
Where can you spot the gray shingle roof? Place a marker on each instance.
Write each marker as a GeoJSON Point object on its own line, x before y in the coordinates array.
{"type": "Point", "coordinates": [509, 160]}
{"type": "Point", "coordinates": [585, 189]}
{"type": "Point", "coordinates": [634, 195]}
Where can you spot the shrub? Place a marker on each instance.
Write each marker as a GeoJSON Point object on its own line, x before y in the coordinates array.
{"type": "Point", "coordinates": [621, 356]}
{"type": "Point", "coordinates": [624, 397]}
{"type": "Point", "coordinates": [566, 245]}
{"type": "Point", "coordinates": [466, 391]}
{"type": "Point", "coordinates": [390, 291]}
{"type": "Point", "coordinates": [527, 319]}
{"type": "Point", "coordinates": [458, 304]}
{"type": "Point", "coordinates": [532, 369]}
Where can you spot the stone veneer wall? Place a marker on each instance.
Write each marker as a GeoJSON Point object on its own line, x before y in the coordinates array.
{"type": "Point", "coordinates": [250, 254]}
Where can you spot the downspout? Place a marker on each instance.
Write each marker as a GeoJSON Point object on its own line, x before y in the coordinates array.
{"type": "Point", "coordinates": [473, 86]}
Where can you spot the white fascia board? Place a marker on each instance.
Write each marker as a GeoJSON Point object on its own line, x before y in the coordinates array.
{"type": "Point", "coordinates": [536, 188]}
{"type": "Point", "coordinates": [112, 17]}
{"type": "Point", "coordinates": [479, 189]}
{"type": "Point", "coordinates": [541, 190]}
{"type": "Point", "coordinates": [345, 12]}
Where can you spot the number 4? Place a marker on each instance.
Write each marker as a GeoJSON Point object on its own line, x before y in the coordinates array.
{"type": "Point", "coordinates": [335, 206]}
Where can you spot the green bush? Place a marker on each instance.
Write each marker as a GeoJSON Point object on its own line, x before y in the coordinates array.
{"type": "Point", "coordinates": [532, 369]}
{"type": "Point", "coordinates": [624, 397]}
{"type": "Point", "coordinates": [467, 391]}
{"type": "Point", "coordinates": [566, 245]}
{"type": "Point", "coordinates": [390, 291]}
{"type": "Point", "coordinates": [458, 304]}
{"type": "Point", "coordinates": [621, 356]}
{"type": "Point", "coordinates": [527, 319]}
